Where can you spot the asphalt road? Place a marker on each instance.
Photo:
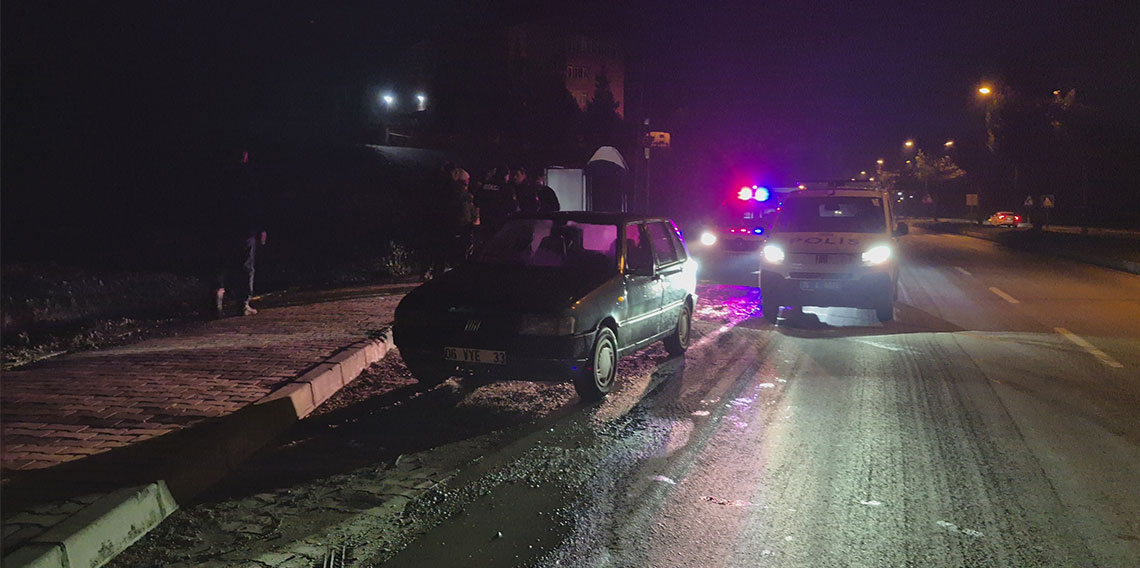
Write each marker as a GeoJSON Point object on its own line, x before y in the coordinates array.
{"type": "Point", "coordinates": [993, 423]}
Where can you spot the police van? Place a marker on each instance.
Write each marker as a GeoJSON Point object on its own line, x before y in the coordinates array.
{"type": "Point", "coordinates": [832, 247]}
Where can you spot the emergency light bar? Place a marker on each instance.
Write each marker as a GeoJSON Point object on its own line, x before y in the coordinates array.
{"type": "Point", "coordinates": [756, 193]}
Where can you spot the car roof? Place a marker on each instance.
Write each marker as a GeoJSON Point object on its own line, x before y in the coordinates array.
{"type": "Point", "coordinates": [595, 217]}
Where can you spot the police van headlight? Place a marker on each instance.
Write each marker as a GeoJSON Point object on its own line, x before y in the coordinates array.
{"type": "Point", "coordinates": [708, 239]}
{"type": "Point", "coordinates": [877, 255]}
{"type": "Point", "coordinates": [773, 254]}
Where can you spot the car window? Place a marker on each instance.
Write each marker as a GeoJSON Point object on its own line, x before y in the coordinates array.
{"type": "Point", "coordinates": [661, 237]}
{"type": "Point", "coordinates": [638, 255]}
{"type": "Point", "coordinates": [832, 214]}
{"type": "Point", "coordinates": [675, 236]}
{"type": "Point", "coordinates": [546, 242]}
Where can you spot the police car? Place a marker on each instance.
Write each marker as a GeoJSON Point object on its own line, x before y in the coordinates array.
{"type": "Point", "coordinates": [739, 228]}
{"type": "Point", "coordinates": [832, 247]}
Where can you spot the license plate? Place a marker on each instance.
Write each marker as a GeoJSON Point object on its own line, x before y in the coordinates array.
{"type": "Point", "coordinates": [465, 355]}
{"type": "Point", "coordinates": [820, 285]}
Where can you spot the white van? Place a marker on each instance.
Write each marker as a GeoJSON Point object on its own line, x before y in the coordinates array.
{"type": "Point", "coordinates": [832, 247]}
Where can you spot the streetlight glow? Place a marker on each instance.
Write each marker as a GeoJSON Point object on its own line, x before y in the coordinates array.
{"type": "Point", "coordinates": [949, 143]}
{"type": "Point", "coordinates": [389, 100]}
{"type": "Point", "coordinates": [863, 172]}
{"type": "Point", "coordinates": [879, 161]}
{"type": "Point", "coordinates": [984, 90]}
{"type": "Point", "coordinates": [909, 143]}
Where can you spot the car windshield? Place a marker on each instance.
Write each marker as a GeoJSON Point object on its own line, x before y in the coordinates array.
{"type": "Point", "coordinates": [553, 243]}
{"type": "Point", "coordinates": [832, 215]}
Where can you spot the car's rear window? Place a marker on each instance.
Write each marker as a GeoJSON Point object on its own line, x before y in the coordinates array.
{"type": "Point", "coordinates": [545, 242]}
{"type": "Point", "coordinates": [832, 215]}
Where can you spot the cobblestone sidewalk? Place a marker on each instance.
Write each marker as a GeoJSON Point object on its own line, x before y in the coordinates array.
{"type": "Point", "coordinates": [89, 423]}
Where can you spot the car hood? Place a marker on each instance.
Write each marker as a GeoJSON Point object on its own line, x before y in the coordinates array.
{"type": "Point", "coordinates": [827, 242]}
{"type": "Point", "coordinates": [481, 287]}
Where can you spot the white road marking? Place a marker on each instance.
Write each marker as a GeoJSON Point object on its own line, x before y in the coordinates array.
{"type": "Point", "coordinates": [1004, 296]}
{"type": "Point", "coordinates": [963, 270]}
{"type": "Point", "coordinates": [1080, 341]}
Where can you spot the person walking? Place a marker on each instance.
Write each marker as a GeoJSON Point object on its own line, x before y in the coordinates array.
{"type": "Point", "coordinates": [240, 230]}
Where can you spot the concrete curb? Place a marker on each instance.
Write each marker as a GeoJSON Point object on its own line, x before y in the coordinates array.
{"type": "Point", "coordinates": [98, 532]}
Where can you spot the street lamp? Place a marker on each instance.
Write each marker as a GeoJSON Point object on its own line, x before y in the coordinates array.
{"type": "Point", "coordinates": [949, 143]}
{"type": "Point", "coordinates": [984, 90]}
{"type": "Point", "coordinates": [909, 143]}
{"type": "Point", "coordinates": [879, 161]}
{"type": "Point", "coordinates": [388, 99]}
{"type": "Point", "coordinates": [422, 100]}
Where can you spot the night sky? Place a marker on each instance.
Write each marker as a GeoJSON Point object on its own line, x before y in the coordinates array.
{"type": "Point", "coordinates": [779, 91]}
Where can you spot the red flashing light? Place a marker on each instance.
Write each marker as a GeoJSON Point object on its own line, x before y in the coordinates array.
{"type": "Point", "coordinates": [744, 194]}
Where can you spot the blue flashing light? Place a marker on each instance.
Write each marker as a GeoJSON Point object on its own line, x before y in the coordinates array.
{"type": "Point", "coordinates": [761, 194]}
{"type": "Point", "coordinates": [758, 231]}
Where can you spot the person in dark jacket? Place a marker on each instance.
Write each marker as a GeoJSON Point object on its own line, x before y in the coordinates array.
{"type": "Point", "coordinates": [532, 197]}
{"type": "Point", "coordinates": [457, 218]}
{"type": "Point", "coordinates": [495, 201]}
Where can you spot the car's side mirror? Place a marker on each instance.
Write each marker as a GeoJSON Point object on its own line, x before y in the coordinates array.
{"type": "Point", "coordinates": [901, 230]}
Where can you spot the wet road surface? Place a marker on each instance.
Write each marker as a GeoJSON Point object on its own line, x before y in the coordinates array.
{"type": "Point", "coordinates": [994, 423]}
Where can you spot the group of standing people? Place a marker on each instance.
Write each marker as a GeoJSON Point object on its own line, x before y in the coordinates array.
{"type": "Point", "coordinates": [473, 212]}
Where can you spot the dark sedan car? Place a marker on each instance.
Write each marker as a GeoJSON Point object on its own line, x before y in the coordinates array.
{"type": "Point", "coordinates": [555, 296]}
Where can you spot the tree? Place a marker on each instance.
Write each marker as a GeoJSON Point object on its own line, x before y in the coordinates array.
{"type": "Point", "coordinates": [602, 123]}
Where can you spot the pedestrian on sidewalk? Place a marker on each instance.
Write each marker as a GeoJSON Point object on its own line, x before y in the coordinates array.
{"type": "Point", "coordinates": [455, 217]}
{"type": "Point", "coordinates": [240, 230]}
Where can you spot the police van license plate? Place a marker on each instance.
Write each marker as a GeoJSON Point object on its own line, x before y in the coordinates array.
{"type": "Point", "coordinates": [465, 355]}
{"type": "Point", "coordinates": [819, 285]}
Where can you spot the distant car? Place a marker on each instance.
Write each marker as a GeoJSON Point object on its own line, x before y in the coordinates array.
{"type": "Point", "coordinates": [554, 296]}
{"type": "Point", "coordinates": [1004, 218]}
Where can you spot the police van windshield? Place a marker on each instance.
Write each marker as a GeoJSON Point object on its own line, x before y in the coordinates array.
{"type": "Point", "coordinates": [832, 215]}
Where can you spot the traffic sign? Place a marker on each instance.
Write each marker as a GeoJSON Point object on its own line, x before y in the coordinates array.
{"type": "Point", "coordinates": [971, 200]}
{"type": "Point", "coordinates": [1047, 201]}
{"type": "Point", "coordinates": [659, 139]}
{"type": "Point", "coordinates": [1029, 201]}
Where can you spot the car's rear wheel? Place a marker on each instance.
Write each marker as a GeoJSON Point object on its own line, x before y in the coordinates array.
{"type": "Point", "coordinates": [770, 307]}
{"type": "Point", "coordinates": [597, 379]}
{"type": "Point", "coordinates": [678, 341]}
{"type": "Point", "coordinates": [429, 373]}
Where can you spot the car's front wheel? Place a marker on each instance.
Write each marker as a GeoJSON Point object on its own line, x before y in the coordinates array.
{"type": "Point", "coordinates": [885, 309]}
{"type": "Point", "coordinates": [678, 341]}
{"type": "Point", "coordinates": [597, 379]}
{"type": "Point", "coordinates": [770, 307]}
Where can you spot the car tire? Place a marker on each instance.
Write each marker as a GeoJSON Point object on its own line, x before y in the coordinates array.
{"type": "Point", "coordinates": [428, 373]}
{"type": "Point", "coordinates": [770, 308]}
{"type": "Point", "coordinates": [597, 379]}
{"type": "Point", "coordinates": [885, 311]}
{"type": "Point", "coordinates": [678, 342]}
